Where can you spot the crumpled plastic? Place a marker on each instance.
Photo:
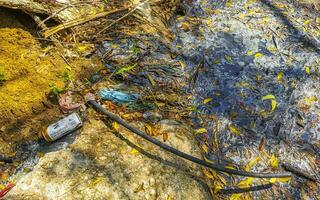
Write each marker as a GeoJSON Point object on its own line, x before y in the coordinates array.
{"type": "Point", "coordinates": [117, 96]}
{"type": "Point", "coordinates": [66, 103]}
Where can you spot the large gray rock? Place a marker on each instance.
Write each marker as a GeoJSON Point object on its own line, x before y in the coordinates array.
{"type": "Point", "coordinates": [101, 164]}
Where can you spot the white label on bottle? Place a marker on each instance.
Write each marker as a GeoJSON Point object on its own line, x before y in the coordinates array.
{"type": "Point", "coordinates": [64, 126]}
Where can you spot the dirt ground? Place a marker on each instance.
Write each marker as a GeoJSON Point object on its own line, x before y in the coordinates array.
{"type": "Point", "coordinates": [27, 69]}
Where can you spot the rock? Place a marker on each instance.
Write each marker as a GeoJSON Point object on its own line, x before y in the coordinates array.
{"type": "Point", "coordinates": [101, 164]}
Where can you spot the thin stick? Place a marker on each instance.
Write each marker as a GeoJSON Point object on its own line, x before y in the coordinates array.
{"type": "Point", "coordinates": [76, 22]}
{"type": "Point", "coordinates": [116, 21]}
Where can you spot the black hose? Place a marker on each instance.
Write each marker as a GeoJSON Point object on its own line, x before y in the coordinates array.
{"type": "Point", "coordinates": [216, 167]}
{"type": "Point", "coordinates": [246, 189]}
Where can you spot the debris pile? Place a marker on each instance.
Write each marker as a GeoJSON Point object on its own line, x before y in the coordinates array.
{"type": "Point", "coordinates": [241, 78]}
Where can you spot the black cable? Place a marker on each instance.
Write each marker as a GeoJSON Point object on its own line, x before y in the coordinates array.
{"type": "Point", "coordinates": [246, 189]}
{"type": "Point", "coordinates": [216, 167]}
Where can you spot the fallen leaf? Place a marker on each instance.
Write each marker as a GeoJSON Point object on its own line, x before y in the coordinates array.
{"type": "Point", "coordinates": [274, 161]}
{"type": "Point", "coordinates": [148, 129]}
{"type": "Point", "coordinates": [258, 55]}
{"type": "Point", "coordinates": [228, 58]}
{"type": "Point", "coordinates": [200, 131]}
{"type": "Point", "coordinates": [269, 96]}
{"type": "Point", "coordinates": [165, 136]}
{"type": "Point", "coordinates": [151, 80]}
{"type": "Point", "coordinates": [115, 125]}
{"type": "Point", "coordinates": [205, 148]}
{"type": "Point", "coordinates": [280, 77]}
{"type": "Point", "coordinates": [208, 174]}
{"type": "Point", "coordinates": [40, 154]}
{"type": "Point", "coordinates": [217, 188]}
{"type": "Point", "coordinates": [246, 182]}
{"type": "Point", "coordinates": [182, 64]}
{"type": "Point", "coordinates": [207, 100]}
{"type": "Point", "coordinates": [307, 22]}
{"type": "Point", "coordinates": [310, 100]}
{"type": "Point", "coordinates": [139, 188]}
{"type": "Point", "coordinates": [134, 151]}
{"type": "Point", "coordinates": [273, 104]}
{"type": "Point", "coordinates": [280, 180]}
{"type": "Point", "coordinates": [234, 129]}
{"type": "Point", "coordinates": [250, 53]}
{"type": "Point", "coordinates": [307, 70]}
{"type": "Point", "coordinates": [236, 196]}
{"type": "Point", "coordinates": [252, 163]}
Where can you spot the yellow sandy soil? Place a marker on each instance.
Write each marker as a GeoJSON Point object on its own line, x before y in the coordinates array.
{"type": "Point", "coordinates": [28, 69]}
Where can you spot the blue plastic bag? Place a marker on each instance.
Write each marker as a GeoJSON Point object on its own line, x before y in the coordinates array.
{"type": "Point", "coordinates": [118, 97]}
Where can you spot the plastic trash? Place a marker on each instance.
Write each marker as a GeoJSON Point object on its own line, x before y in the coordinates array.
{"type": "Point", "coordinates": [62, 127]}
{"type": "Point", "coordinates": [66, 103]}
{"type": "Point", "coordinates": [7, 188]}
{"type": "Point", "coordinates": [117, 96]}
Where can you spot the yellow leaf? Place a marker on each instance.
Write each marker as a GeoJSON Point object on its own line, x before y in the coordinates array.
{"type": "Point", "coordinates": [284, 180]}
{"type": "Point", "coordinates": [269, 96]}
{"type": "Point", "coordinates": [236, 196]}
{"type": "Point", "coordinates": [258, 55]}
{"type": "Point", "coordinates": [229, 4]}
{"type": "Point", "coordinates": [182, 64]}
{"type": "Point", "coordinates": [280, 77]}
{"type": "Point", "coordinates": [115, 125]}
{"type": "Point", "coordinates": [205, 148]}
{"type": "Point", "coordinates": [234, 129]}
{"type": "Point", "coordinates": [209, 22]}
{"type": "Point", "coordinates": [40, 154]}
{"type": "Point", "coordinates": [273, 161]}
{"type": "Point", "coordinates": [250, 53]}
{"type": "Point", "coordinates": [207, 100]}
{"type": "Point", "coordinates": [168, 198]}
{"type": "Point", "coordinates": [272, 48]}
{"type": "Point", "coordinates": [82, 48]}
{"type": "Point", "coordinates": [217, 188]}
{"type": "Point", "coordinates": [134, 151]}
{"type": "Point", "coordinates": [222, 179]}
{"type": "Point", "coordinates": [252, 163]}
{"type": "Point", "coordinates": [310, 100]}
{"type": "Point", "coordinates": [307, 70]}
{"type": "Point", "coordinates": [307, 22]}
{"type": "Point", "coordinates": [266, 19]}
{"type": "Point", "coordinates": [245, 183]}
{"type": "Point", "coordinates": [207, 160]}
{"type": "Point", "coordinates": [230, 167]}
{"type": "Point", "coordinates": [200, 131]}
{"type": "Point", "coordinates": [228, 58]}
{"type": "Point", "coordinates": [208, 174]}
{"type": "Point", "coordinates": [273, 180]}
{"type": "Point", "coordinates": [280, 180]}
{"type": "Point", "coordinates": [148, 129]}
{"type": "Point", "coordinates": [2, 187]}
{"type": "Point", "coordinates": [273, 104]}
{"type": "Point", "coordinates": [114, 46]}
{"type": "Point", "coordinates": [216, 61]}
{"type": "Point", "coordinates": [95, 182]}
